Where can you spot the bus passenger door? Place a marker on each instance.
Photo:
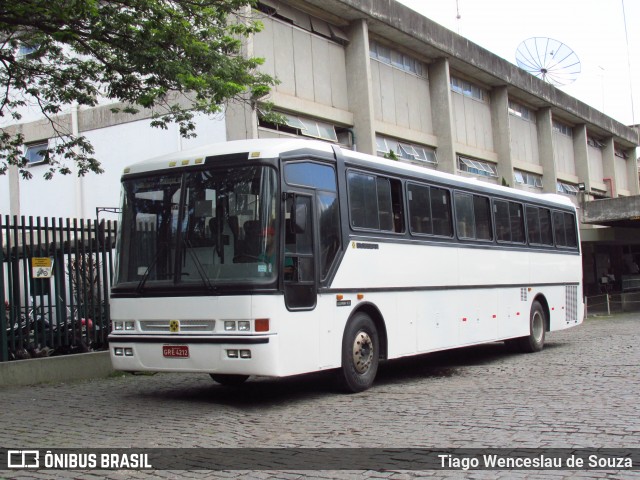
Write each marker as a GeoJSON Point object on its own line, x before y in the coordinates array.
{"type": "Point", "coordinates": [300, 289]}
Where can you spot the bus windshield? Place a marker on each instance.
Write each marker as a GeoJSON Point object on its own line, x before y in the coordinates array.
{"type": "Point", "coordinates": [198, 229]}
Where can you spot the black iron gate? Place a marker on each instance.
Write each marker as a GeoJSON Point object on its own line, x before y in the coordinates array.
{"type": "Point", "coordinates": [55, 276]}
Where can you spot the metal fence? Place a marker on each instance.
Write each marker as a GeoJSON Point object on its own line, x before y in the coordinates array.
{"type": "Point", "coordinates": [609, 303]}
{"type": "Point", "coordinates": [55, 276]}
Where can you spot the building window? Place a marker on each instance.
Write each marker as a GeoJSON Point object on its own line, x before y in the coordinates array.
{"type": "Point", "coordinates": [35, 153]}
{"type": "Point", "coordinates": [620, 153]}
{"type": "Point", "coordinates": [396, 59]}
{"type": "Point", "coordinates": [562, 129]}
{"type": "Point", "coordinates": [407, 151]}
{"type": "Point", "coordinates": [477, 167]}
{"type": "Point", "coordinates": [520, 111]}
{"type": "Point", "coordinates": [567, 188]}
{"type": "Point", "coordinates": [594, 142]}
{"type": "Point", "coordinates": [302, 126]}
{"type": "Point", "coordinates": [468, 89]}
{"type": "Point", "coordinates": [526, 178]}
{"type": "Point", "coordinates": [303, 20]}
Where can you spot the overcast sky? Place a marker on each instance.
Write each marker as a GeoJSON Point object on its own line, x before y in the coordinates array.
{"type": "Point", "coordinates": [593, 29]}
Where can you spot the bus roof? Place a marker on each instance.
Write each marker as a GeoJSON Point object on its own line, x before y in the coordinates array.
{"type": "Point", "coordinates": [274, 147]}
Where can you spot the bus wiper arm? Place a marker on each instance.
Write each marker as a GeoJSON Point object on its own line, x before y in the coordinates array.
{"type": "Point", "coordinates": [203, 275]}
{"type": "Point", "coordinates": [145, 275]}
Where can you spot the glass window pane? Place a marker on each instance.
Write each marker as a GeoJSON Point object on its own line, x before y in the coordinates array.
{"type": "Point", "coordinates": [464, 215]}
{"type": "Point", "coordinates": [419, 209]}
{"type": "Point", "coordinates": [329, 213]}
{"type": "Point", "coordinates": [441, 211]}
{"type": "Point", "coordinates": [558, 227]}
{"type": "Point", "coordinates": [503, 221]}
{"type": "Point", "coordinates": [570, 229]}
{"type": "Point", "coordinates": [533, 225]}
{"type": "Point", "coordinates": [363, 200]}
{"type": "Point", "coordinates": [482, 213]}
{"type": "Point", "coordinates": [546, 233]}
{"type": "Point", "coordinates": [517, 222]}
{"type": "Point", "coordinates": [311, 175]}
{"type": "Point", "coordinates": [385, 208]}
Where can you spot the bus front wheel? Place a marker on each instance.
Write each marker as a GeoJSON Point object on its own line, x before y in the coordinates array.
{"type": "Point", "coordinates": [360, 354]}
{"type": "Point", "coordinates": [229, 380]}
{"type": "Point", "coordinates": [534, 342]}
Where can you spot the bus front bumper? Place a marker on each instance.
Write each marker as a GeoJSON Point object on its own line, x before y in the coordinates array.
{"type": "Point", "coordinates": [241, 355]}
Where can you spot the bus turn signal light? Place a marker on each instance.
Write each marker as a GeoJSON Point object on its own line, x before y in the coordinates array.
{"type": "Point", "coordinates": [262, 324]}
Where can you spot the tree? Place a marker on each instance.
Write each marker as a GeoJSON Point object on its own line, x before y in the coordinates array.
{"type": "Point", "coordinates": [174, 57]}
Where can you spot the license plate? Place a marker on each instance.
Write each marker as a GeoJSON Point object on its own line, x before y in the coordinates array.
{"type": "Point", "coordinates": [175, 351]}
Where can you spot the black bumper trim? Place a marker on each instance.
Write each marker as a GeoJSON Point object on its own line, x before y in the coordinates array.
{"type": "Point", "coordinates": [184, 339]}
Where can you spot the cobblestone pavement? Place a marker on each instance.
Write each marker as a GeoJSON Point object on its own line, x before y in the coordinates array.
{"type": "Point", "coordinates": [582, 390]}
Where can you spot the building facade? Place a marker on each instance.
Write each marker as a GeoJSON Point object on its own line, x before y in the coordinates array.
{"type": "Point", "coordinates": [379, 78]}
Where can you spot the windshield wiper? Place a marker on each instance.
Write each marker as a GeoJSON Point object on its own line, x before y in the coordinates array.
{"type": "Point", "coordinates": [145, 275]}
{"type": "Point", "coordinates": [203, 275]}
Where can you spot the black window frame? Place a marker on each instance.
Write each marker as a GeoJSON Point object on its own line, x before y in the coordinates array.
{"type": "Point", "coordinates": [430, 187]}
{"type": "Point", "coordinates": [474, 196]}
{"type": "Point", "coordinates": [396, 215]}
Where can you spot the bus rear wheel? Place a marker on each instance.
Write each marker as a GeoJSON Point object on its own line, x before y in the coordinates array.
{"type": "Point", "coordinates": [229, 380]}
{"type": "Point", "coordinates": [360, 354]}
{"type": "Point", "coordinates": [534, 342]}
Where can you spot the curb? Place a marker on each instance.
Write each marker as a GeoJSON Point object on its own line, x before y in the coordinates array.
{"type": "Point", "coordinates": [82, 366]}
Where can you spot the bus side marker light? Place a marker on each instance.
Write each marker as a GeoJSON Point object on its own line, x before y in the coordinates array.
{"type": "Point", "coordinates": [261, 324]}
{"type": "Point", "coordinates": [464, 319]}
{"type": "Point", "coordinates": [339, 297]}
{"type": "Point", "coordinates": [493, 316]}
{"type": "Point", "coordinates": [360, 296]}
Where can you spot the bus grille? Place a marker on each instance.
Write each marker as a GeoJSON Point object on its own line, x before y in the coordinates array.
{"type": "Point", "coordinates": [571, 299]}
{"type": "Point", "coordinates": [185, 325]}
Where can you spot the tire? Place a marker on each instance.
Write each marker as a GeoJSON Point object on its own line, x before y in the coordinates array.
{"type": "Point", "coordinates": [534, 342]}
{"type": "Point", "coordinates": [229, 380]}
{"type": "Point", "coordinates": [360, 354]}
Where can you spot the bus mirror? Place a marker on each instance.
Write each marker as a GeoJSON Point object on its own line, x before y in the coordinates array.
{"type": "Point", "coordinates": [299, 216]}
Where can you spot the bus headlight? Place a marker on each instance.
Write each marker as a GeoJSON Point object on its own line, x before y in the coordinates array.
{"type": "Point", "coordinates": [118, 325]}
{"type": "Point", "coordinates": [244, 326]}
{"type": "Point", "coordinates": [229, 326]}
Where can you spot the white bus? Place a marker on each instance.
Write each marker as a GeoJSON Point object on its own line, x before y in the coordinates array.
{"type": "Point", "coordinates": [281, 257]}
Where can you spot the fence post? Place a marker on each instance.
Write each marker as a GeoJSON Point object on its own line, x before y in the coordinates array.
{"type": "Point", "coordinates": [608, 306]}
{"type": "Point", "coordinates": [4, 344]}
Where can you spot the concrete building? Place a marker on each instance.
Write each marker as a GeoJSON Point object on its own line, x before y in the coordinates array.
{"type": "Point", "coordinates": [375, 76]}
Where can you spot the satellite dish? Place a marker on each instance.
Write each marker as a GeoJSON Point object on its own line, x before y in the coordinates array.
{"type": "Point", "coordinates": [548, 59]}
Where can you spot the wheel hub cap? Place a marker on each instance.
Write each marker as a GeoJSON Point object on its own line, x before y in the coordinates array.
{"type": "Point", "coordinates": [362, 352]}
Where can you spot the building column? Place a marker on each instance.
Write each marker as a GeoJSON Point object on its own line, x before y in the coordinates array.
{"type": "Point", "coordinates": [360, 87]}
{"type": "Point", "coordinates": [14, 190]}
{"type": "Point", "coordinates": [240, 117]}
{"type": "Point", "coordinates": [544, 125]}
{"type": "Point", "coordinates": [632, 172]}
{"type": "Point", "coordinates": [581, 155]}
{"type": "Point", "coordinates": [501, 132]}
{"type": "Point", "coordinates": [609, 166]}
{"type": "Point", "coordinates": [442, 114]}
